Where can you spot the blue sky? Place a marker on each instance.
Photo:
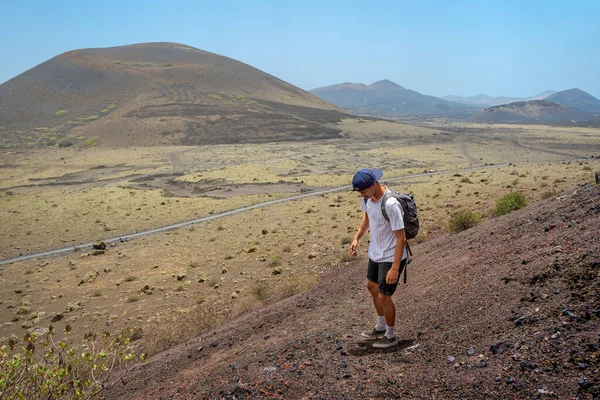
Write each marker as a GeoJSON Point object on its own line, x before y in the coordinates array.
{"type": "Point", "coordinates": [501, 47]}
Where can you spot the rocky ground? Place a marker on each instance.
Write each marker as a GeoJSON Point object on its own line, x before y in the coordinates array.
{"type": "Point", "coordinates": [508, 309]}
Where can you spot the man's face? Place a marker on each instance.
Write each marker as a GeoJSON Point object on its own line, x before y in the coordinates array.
{"type": "Point", "coordinates": [369, 192]}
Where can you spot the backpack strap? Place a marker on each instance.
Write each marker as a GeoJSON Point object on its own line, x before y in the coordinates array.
{"type": "Point", "coordinates": [408, 259]}
{"type": "Point", "coordinates": [384, 199]}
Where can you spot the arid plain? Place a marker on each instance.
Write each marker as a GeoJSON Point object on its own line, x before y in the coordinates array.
{"type": "Point", "coordinates": [169, 286]}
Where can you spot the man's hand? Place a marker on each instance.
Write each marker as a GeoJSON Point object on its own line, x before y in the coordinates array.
{"type": "Point", "coordinates": [353, 247]}
{"type": "Point", "coordinates": [392, 276]}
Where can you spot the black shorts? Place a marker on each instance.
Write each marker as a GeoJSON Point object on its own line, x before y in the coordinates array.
{"type": "Point", "coordinates": [377, 272]}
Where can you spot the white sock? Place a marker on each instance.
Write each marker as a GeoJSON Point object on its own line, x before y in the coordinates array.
{"type": "Point", "coordinates": [380, 323]}
{"type": "Point", "coordinates": [390, 332]}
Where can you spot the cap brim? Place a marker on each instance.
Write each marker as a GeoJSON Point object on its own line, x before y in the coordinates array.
{"type": "Point", "coordinates": [377, 173]}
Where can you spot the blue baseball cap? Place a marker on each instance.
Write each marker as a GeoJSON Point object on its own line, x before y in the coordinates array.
{"type": "Point", "coordinates": [365, 178]}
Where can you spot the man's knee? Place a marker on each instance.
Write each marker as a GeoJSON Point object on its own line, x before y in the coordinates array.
{"type": "Point", "coordinates": [373, 287]}
{"type": "Point", "coordinates": [385, 299]}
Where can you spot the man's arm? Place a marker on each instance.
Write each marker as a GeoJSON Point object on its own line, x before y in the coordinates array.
{"type": "Point", "coordinates": [392, 275]}
{"type": "Point", "coordinates": [362, 228]}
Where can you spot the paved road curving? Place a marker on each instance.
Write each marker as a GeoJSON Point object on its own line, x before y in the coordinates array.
{"type": "Point", "coordinates": [123, 238]}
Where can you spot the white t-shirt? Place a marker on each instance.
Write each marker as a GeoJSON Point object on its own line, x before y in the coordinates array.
{"type": "Point", "coordinates": [383, 239]}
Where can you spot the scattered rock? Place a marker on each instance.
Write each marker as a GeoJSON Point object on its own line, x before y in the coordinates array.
{"type": "Point", "coordinates": [56, 318]}
{"type": "Point", "coordinates": [99, 245]}
{"type": "Point", "coordinates": [499, 348]}
{"type": "Point", "coordinates": [89, 277]}
{"type": "Point", "coordinates": [147, 289]}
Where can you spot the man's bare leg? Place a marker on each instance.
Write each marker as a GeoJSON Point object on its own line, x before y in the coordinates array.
{"type": "Point", "coordinates": [389, 338]}
{"type": "Point", "coordinates": [374, 289]}
{"type": "Point", "coordinates": [389, 309]}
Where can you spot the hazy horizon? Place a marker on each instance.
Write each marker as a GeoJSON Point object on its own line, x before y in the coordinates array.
{"type": "Point", "coordinates": [464, 48]}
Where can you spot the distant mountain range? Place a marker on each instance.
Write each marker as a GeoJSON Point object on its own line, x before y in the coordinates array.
{"type": "Point", "coordinates": [483, 100]}
{"type": "Point", "coordinates": [388, 99]}
{"type": "Point", "coordinates": [540, 111]}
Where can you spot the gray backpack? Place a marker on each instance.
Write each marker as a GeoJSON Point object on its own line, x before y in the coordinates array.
{"type": "Point", "coordinates": [409, 211]}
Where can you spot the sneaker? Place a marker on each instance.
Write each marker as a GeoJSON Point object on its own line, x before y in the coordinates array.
{"type": "Point", "coordinates": [386, 342]}
{"type": "Point", "coordinates": [373, 334]}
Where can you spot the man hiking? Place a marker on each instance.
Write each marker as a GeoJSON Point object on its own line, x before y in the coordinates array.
{"type": "Point", "coordinates": [387, 251]}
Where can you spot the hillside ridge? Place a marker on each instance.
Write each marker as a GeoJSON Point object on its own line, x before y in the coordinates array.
{"type": "Point", "coordinates": [156, 94]}
{"type": "Point", "coordinates": [510, 308]}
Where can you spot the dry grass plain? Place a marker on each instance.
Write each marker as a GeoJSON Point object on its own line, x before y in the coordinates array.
{"type": "Point", "coordinates": [169, 286]}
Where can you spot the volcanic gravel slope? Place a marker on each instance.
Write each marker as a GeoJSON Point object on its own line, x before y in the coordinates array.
{"type": "Point", "coordinates": [508, 309]}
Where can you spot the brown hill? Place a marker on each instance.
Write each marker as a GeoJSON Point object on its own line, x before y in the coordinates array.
{"type": "Point", "coordinates": [577, 98]}
{"type": "Point", "coordinates": [532, 111]}
{"type": "Point", "coordinates": [508, 309]}
{"type": "Point", "coordinates": [156, 93]}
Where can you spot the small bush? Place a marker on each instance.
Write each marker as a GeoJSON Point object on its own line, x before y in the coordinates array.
{"type": "Point", "coordinates": [42, 368]}
{"type": "Point", "coordinates": [295, 284]}
{"type": "Point", "coordinates": [260, 290]}
{"type": "Point", "coordinates": [274, 261]}
{"type": "Point", "coordinates": [87, 119]}
{"type": "Point", "coordinates": [66, 143]}
{"type": "Point", "coordinates": [462, 220]}
{"type": "Point", "coordinates": [132, 299]}
{"type": "Point", "coordinates": [510, 202]}
{"type": "Point", "coordinates": [60, 112]}
{"type": "Point", "coordinates": [548, 194]}
{"type": "Point", "coordinates": [346, 240]}
{"type": "Point", "coordinates": [91, 141]}
{"type": "Point", "coordinates": [345, 256]}
{"type": "Point", "coordinates": [181, 326]}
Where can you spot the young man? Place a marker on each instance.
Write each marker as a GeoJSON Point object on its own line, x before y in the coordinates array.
{"type": "Point", "coordinates": [387, 252]}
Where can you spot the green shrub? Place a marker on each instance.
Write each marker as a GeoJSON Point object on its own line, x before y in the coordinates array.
{"type": "Point", "coordinates": [274, 261]}
{"type": "Point", "coordinates": [259, 290]}
{"type": "Point", "coordinates": [510, 202]}
{"type": "Point", "coordinates": [87, 119]}
{"type": "Point", "coordinates": [42, 368]}
{"type": "Point", "coordinates": [60, 112]}
{"type": "Point", "coordinates": [346, 240]}
{"type": "Point", "coordinates": [462, 220]}
{"type": "Point", "coordinates": [91, 141]}
{"type": "Point", "coordinates": [550, 193]}
{"type": "Point", "coordinates": [345, 256]}
{"type": "Point", "coordinates": [112, 106]}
